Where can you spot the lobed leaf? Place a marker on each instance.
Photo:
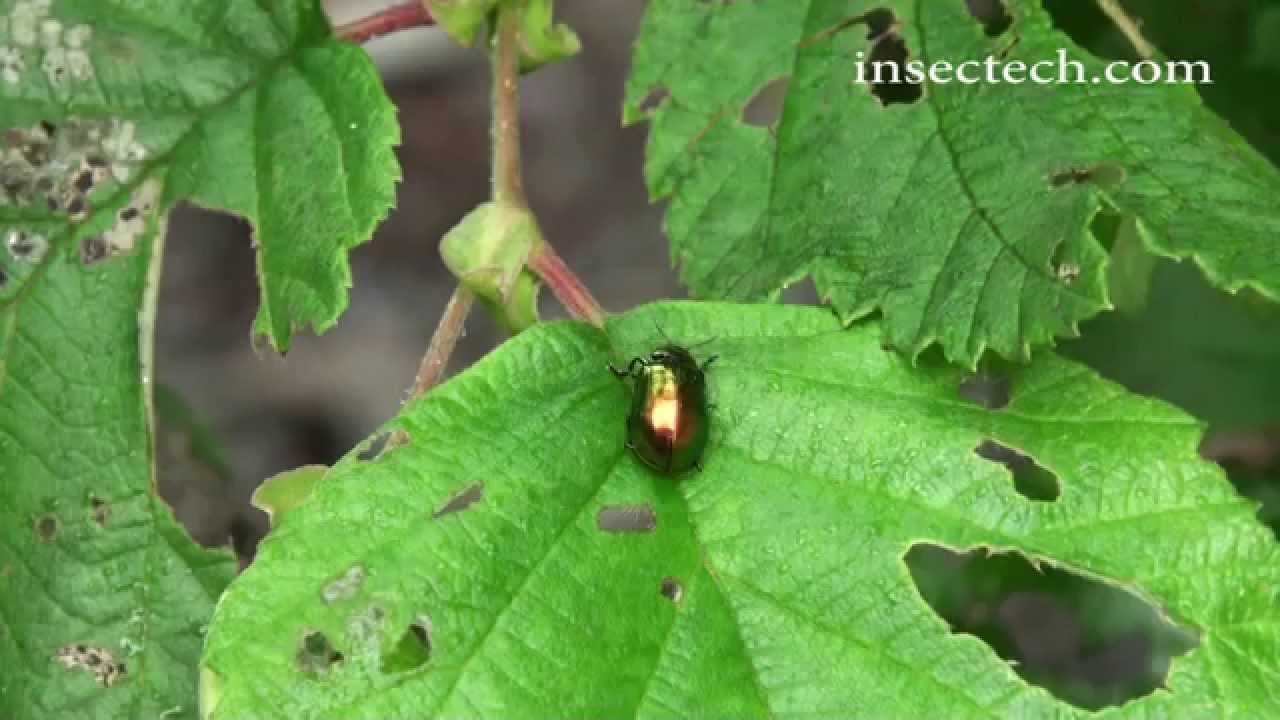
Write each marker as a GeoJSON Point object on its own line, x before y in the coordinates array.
{"type": "Point", "coordinates": [963, 212]}
{"type": "Point", "coordinates": [548, 572]}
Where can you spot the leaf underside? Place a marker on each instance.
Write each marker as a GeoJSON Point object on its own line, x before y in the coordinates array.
{"type": "Point", "coordinates": [964, 216]}
{"type": "Point", "coordinates": [771, 583]}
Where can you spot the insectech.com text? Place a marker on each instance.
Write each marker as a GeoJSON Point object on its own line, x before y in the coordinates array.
{"type": "Point", "coordinates": [1060, 71]}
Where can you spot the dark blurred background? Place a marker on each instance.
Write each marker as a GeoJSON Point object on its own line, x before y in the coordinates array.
{"type": "Point", "coordinates": [235, 416]}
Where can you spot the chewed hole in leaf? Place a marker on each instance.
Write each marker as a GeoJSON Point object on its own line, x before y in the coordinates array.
{"type": "Point", "coordinates": [886, 70]}
{"type": "Point", "coordinates": [47, 527]}
{"type": "Point", "coordinates": [100, 509]}
{"type": "Point", "coordinates": [627, 519]}
{"type": "Point", "coordinates": [1030, 479]}
{"type": "Point", "coordinates": [316, 654]}
{"type": "Point", "coordinates": [993, 15]}
{"type": "Point", "coordinates": [672, 589]}
{"type": "Point", "coordinates": [879, 21]}
{"type": "Point", "coordinates": [461, 501]}
{"type": "Point", "coordinates": [412, 650]}
{"type": "Point", "coordinates": [764, 109]}
{"type": "Point", "coordinates": [992, 392]}
{"type": "Point", "coordinates": [652, 100]}
{"type": "Point", "coordinates": [1087, 642]}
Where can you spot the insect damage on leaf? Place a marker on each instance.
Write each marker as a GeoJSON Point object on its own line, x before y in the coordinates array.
{"type": "Point", "coordinates": [128, 229]}
{"type": "Point", "coordinates": [53, 169]}
{"type": "Point", "coordinates": [47, 527]}
{"type": "Point", "coordinates": [672, 589]}
{"type": "Point", "coordinates": [887, 61]}
{"type": "Point", "coordinates": [993, 15]}
{"type": "Point", "coordinates": [95, 660]}
{"type": "Point", "coordinates": [461, 501]}
{"type": "Point", "coordinates": [1030, 479]}
{"type": "Point", "coordinates": [413, 649]}
{"type": "Point", "coordinates": [316, 654]}
{"type": "Point", "coordinates": [1090, 643]}
{"type": "Point", "coordinates": [43, 44]}
{"type": "Point", "coordinates": [344, 587]}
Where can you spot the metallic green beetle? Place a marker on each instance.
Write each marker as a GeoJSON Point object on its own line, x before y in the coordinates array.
{"type": "Point", "coordinates": [670, 421]}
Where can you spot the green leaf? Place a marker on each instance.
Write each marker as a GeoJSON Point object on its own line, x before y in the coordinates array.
{"type": "Point", "coordinates": [774, 583]}
{"type": "Point", "coordinates": [280, 494]}
{"type": "Point", "coordinates": [963, 216]}
{"type": "Point", "coordinates": [93, 566]}
{"type": "Point", "coordinates": [542, 39]}
{"type": "Point", "coordinates": [249, 107]}
{"type": "Point", "coordinates": [462, 19]}
{"type": "Point", "coordinates": [487, 252]}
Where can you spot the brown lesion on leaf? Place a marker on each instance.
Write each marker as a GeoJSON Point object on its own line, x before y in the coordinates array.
{"type": "Point", "coordinates": [97, 661]}
{"type": "Point", "coordinates": [100, 509]}
{"type": "Point", "coordinates": [47, 527]}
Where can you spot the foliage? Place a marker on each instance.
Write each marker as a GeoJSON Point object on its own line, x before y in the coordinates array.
{"type": "Point", "coordinates": [831, 458]}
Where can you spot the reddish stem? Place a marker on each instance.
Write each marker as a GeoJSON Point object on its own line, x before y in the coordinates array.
{"type": "Point", "coordinates": [565, 285]}
{"type": "Point", "coordinates": [442, 342]}
{"type": "Point", "coordinates": [388, 20]}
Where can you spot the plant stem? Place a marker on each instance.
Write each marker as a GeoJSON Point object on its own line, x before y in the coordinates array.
{"type": "Point", "coordinates": [1128, 26]}
{"type": "Point", "coordinates": [397, 17]}
{"type": "Point", "coordinates": [508, 182]}
{"type": "Point", "coordinates": [565, 285]}
{"type": "Point", "coordinates": [508, 179]}
{"type": "Point", "coordinates": [443, 341]}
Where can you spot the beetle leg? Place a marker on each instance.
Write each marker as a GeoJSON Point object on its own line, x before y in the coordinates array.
{"type": "Point", "coordinates": [632, 370]}
{"type": "Point", "coordinates": [707, 363]}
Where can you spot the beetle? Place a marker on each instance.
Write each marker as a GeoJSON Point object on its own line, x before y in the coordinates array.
{"type": "Point", "coordinates": [670, 421]}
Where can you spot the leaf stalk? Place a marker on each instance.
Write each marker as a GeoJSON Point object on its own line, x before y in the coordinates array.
{"type": "Point", "coordinates": [388, 20]}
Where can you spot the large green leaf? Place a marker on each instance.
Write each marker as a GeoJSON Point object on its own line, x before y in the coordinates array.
{"type": "Point", "coordinates": [252, 107]}
{"type": "Point", "coordinates": [963, 216]}
{"type": "Point", "coordinates": [92, 564]}
{"type": "Point", "coordinates": [112, 112]}
{"type": "Point", "coordinates": [774, 582]}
